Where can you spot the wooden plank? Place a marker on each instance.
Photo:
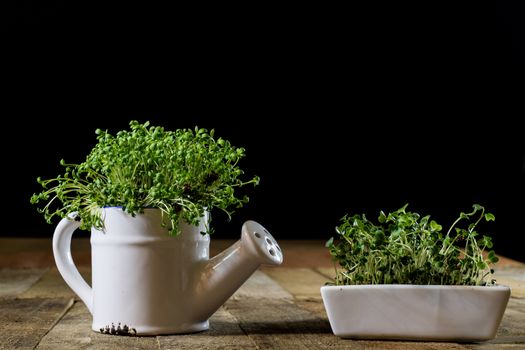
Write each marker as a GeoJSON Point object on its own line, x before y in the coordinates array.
{"type": "Point", "coordinates": [501, 342]}
{"type": "Point", "coordinates": [23, 322]}
{"type": "Point", "coordinates": [224, 333]}
{"type": "Point", "coordinates": [517, 304]}
{"type": "Point", "coordinates": [315, 306]}
{"type": "Point", "coordinates": [490, 346]}
{"type": "Point", "coordinates": [512, 271]}
{"type": "Point", "coordinates": [398, 345]}
{"type": "Point", "coordinates": [38, 252]}
{"type": "Point", "coordinates": [305, 253]}
{"type": "Point", "coordinates": [517, 287]}
{"type": "Point", "coordinates": [280, 324]}
{"type": "Point", "coordinates": [302, 283]}
{"type": "Point", "coordinates": [512, 325]}
{"type": "Point", "coordinates": [16, 281]}
{"type": "Point", "coordinates": [259, 285]}
{"type": "Point", "coordinates": [273, 322]}
{"type": "Point", "coordinates": [328, 272]}
{"type": "Point", "coordinates": [52, 285]}
{"type": "Point", "coordinates": [74, 332]}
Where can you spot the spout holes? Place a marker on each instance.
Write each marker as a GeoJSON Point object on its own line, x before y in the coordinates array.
{"type": "Point", "coordinates": [272, 252]}
{"type": "Point", "coordinates": [269, 241]}
{"type": "Point", "coordinates": [278, 248]}
{"type": "Point", "coordinates": [265, 230]}
{"type": "Point", "coordinates": [257, 234]}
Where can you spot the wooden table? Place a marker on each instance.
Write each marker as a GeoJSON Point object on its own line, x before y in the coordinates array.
{"type": "Point", "coordinates": [277, 308]}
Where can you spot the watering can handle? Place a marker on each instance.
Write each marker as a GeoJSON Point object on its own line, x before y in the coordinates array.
{"type": "Point", "coordinates": [64, 259]}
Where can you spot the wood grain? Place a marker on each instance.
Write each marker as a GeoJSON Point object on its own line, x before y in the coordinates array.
{"type": "Point", "coordinates": [16, 281]}
{"type": "Point", "coordinates": [302, 283]}
{"type": "Point", "coordinates": [52, 285]}
{"type": "Point", "coordinates": [23, 322]}
{"type": "Point", "coordinates": [281, 324]}
{"type": "Point", "coordinates": [224, 333]}
{"type": "Point", "coordinates": [74, 332]}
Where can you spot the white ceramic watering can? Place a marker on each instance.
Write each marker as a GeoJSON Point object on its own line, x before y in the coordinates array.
{"type": "Point", "coordinates": [146, 282]}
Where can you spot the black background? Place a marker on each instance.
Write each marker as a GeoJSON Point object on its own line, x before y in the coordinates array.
{"type": "Point", "coordinates": [341, 109]}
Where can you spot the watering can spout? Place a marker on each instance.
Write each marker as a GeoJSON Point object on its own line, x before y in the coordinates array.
{"type": "Point", "coordinates": [223, 274]}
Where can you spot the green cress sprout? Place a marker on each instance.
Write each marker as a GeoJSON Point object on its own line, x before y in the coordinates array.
{"type": "Point", "coordinates": [406, 248]}
{"type": "Point", "coordinates": [183, 173]}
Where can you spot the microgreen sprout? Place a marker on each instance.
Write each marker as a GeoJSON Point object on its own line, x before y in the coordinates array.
{"type": "Point", "coordinates": [406, 248]}
{"type": "Point", "coordinates": [183, 173]}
